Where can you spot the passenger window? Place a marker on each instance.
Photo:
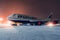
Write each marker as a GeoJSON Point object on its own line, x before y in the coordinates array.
{"type": "Point", "coordinates": [19, 16]}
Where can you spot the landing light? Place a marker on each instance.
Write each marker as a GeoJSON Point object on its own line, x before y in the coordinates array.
{"type": "Point", "coordinates": [50, 24]}
{"type": "Point", "coordinates": [9, 23]}
{"type": "Point", "coordinates": [1, 19]}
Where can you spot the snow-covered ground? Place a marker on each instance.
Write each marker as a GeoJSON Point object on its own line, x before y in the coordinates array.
{"type": "Point", "coordinates": [30, 33]}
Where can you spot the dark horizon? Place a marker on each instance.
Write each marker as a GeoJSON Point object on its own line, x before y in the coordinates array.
{"type": "Point", "coordinates": [37, 8]}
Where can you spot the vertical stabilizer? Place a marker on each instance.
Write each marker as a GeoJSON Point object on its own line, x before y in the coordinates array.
{"type": "Point", "coordinates": [50, 15]}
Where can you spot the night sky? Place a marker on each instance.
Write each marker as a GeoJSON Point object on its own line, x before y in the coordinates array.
{"type": "Point", "coordinates": [37, 8]}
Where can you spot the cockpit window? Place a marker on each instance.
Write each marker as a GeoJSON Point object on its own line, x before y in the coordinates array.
{"type": "Point", "coordinates": [14, 14]}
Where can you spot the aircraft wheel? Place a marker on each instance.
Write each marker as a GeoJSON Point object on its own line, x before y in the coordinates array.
{"type": "Point", "coordinates": [14, 24]}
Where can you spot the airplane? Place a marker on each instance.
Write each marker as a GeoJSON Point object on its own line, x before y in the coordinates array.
{"type": "Point", "coordinates": [28, 20]}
